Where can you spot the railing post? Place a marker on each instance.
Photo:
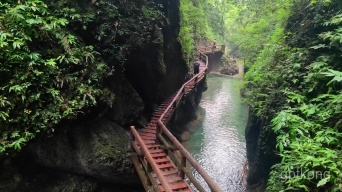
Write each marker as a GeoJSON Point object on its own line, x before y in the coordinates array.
{"type": "Point", "coordinates": [183, 165]}
{"type": "Point", "coordinates": [158, 130]}
{"type": "Point", "coordinates": [151, 164]}
{"type": "Point", "coordinates": [211, 183]}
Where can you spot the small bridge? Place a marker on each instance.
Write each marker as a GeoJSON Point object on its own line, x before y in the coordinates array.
{"type": "Point", "coordinates": [162, 163]}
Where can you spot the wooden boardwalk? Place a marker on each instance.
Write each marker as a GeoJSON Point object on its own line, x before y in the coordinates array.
{"type": "Point", "coordinates": [162, 163]}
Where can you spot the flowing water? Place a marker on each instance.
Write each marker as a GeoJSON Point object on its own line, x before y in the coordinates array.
{"type": "Point", "coordinates": [218, 141]}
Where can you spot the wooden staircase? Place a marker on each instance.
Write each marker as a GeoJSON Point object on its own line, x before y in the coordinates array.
{"type": "Point", "coordinates": [162, 163]}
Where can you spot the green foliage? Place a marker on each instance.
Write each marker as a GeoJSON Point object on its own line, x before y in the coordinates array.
{"type": "Point", "coordinates": [52, 59]}
{"type": "Point", "coordinates": [295, 87]}
{"type": "Point", "coordinates": [114, 28]}
{"type": "Point", "coordinates": [308, 140]}
{"type": "Point", "coordinates": [47, 75]}
{"type": "Point", "coordinates": [194, 27]}
{"type": "Point", "coordinates": [255, 26]}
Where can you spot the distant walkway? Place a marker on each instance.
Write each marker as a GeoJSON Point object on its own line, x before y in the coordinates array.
{"type": "Point", "coordinates": [162, 163]}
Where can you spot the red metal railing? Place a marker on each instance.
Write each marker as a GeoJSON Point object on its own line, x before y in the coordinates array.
{"type": "Point", "coordinates": [150, 160]}
{"type": "Point", "coordinates": [197, 78]}
{"type": "Point", "coordinates": [176, 145]}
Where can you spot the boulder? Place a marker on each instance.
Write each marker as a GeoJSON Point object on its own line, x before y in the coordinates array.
{"type": "Point", "coordinates": [98, 150]}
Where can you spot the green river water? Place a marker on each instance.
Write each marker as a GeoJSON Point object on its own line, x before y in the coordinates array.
{"type": "Point", "coordinates": [218, 141]}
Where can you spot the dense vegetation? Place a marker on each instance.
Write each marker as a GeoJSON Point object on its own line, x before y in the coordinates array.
{"type": "Point", "coordinates": [194, 27]}
{"type": "Point", "coordinates": [292, 49]}
{"type": "Point", "coordinates": [202, 21]}
{"type": "Point", "coordinates": [55, 57]}
{"type": "Point", "coordinates": [294, 87]}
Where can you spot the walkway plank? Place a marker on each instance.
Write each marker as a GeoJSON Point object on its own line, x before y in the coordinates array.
{"type": "Point", "coordinates": [162, 160]}
{"type": "Point", "coordinates": [170, 175]}
{"type": "Point", "coordinates": [159, 155]}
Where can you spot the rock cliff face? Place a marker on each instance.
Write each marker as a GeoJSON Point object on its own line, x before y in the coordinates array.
{"type": "Point", "coordinates": [187, 111]}
{"type": "Point", "coordinates": [92, 153]}
{"type": "Point", "coordinates": [260, 144]}
{"type": "Point", "coordinates": [159, 70]}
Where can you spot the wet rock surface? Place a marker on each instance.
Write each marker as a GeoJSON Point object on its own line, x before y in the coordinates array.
{"type": "Point", "coordinates": [261, 155]}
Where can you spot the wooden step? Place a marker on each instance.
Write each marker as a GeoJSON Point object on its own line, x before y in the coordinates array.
{"type": "Point", "coordinates": [158, 155]}
{"type": "Point", "coordinates": [157, 113]}
{"type": "Point", "coordinates": [153, 118]}
{"type": "Point", "coordinates": [169, 171]}
{"type": "Point", "coordinates": [152, 151]}
{"type": "Point", "coordinates": [153, 148]}
{"type": "Point", "coordinates": [162, 160]}
{"type": "Point", "coordinates": [176, 186]}
{"type": "Point", "coordinates": [166, 101]}
{"type": "Point", "coordinates": [148, 131]}
{"type": "Point", "coordinates": [149, 146]}
{"type": "Point", "coordinates": [165, 104]}
{"type": "Point", "coordinates": [144, 137]}
{"type": "Point", "coordinates": [173, 178]}
{"type": "Point", "coordinates": [154, 144]}
{"type": "Point", "coordinates": [157, 118]}
{"type": "Point", "coordinates": [166, 165]}
{"type": "Point", "coordinates": [160, 114]}
{"type": "Point", "coordinates": [147, 134]}
{"type": "Point", "coordinates": [149, 141]}
{"type": "Point", "coordinates": [151, 128]}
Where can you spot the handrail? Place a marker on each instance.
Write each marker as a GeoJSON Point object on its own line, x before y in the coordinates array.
{"type": "Point", "coordinates": [181, 163]}
{"type": "Point", "coordinates": [211, 183]}
{"type": "Point", "coordinates": [150, 160]}
{"type": "Point", "coordinates": [218, 47]}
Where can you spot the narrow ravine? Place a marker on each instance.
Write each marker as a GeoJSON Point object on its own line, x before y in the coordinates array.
{"type": "Point", "coordinates": [217, 142]}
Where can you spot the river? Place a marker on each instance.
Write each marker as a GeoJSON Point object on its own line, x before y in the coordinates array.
{"type": "Point", "coordinates": [217, 142]}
